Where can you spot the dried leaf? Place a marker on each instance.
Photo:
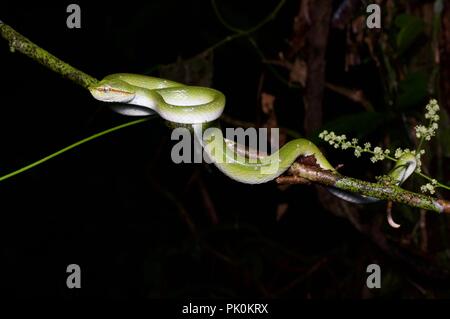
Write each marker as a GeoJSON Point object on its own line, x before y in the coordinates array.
{"type": "Point", "coordinates": [267, 101]}
{"type": "Point", "coordinates": [299, 72]}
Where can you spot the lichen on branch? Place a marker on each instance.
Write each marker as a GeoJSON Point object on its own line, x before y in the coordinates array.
{"type": "Point", "coordinates": [300, 173]}
{"type": "Point", "coordinates": [423, 133]}
{"type": "Point", "coordinates": [18, 42]}
{"type": "Point", "coordinates": [384, 191]}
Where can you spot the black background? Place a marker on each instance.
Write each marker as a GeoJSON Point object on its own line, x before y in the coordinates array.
{"type": "Point", "coordinates": [112, 206]}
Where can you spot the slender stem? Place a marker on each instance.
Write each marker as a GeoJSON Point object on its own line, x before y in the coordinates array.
{"type": "Point", "coordinates": [260, 24]}
{"type": "Point", "coordinates": [422, 139]}
{"type": "Point", "coordinates": [239, 32]}
{"type": "Point", "coordinates": [431, 179]}
{"type": "Point", "coordinates": [222, 20]}
{"type": "Point", "coordinates": [270, 67]}
{"type": "Point", "coordinates": [419, 146]}
{"type": "Point", "coordinates": [65, 149]}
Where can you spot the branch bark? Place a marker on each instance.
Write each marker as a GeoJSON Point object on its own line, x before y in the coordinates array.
{"type": "Point", "coordinates": [384, 191]}
{"type": "Point", "coordinates": [300, 173]}
{"type": "Point", "coordinates": [18, 42]}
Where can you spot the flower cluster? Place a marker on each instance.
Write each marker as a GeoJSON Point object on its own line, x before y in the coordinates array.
{"type": "Point", "coordinates": [378, 154]}
{"type": "Point", "coordinates": [340, 141]}
{"type": "Point", "coordinates": [426, 132]}
{"type": "Point", "coordinates": [429, 187]}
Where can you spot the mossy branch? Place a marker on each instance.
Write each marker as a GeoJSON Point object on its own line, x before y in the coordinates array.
{"type": "Point", "coordinates": [18, 42]}
{"type": "Point", "coordinates": [301, 173]}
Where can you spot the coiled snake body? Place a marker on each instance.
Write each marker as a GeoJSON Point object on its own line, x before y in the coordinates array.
{"type": "Point", "coordinates": [179, 103]}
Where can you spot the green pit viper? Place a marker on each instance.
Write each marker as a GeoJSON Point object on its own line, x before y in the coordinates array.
{"type": "Point", "coordinates": [141, 95]}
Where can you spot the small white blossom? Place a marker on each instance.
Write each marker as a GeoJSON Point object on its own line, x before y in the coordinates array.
{"type": "Point", "coordinates": [428, 132]}
{"type": "Point", "coordinates": [378, 154]}
{"type": "Point", "coordinates": [346, 145]}
{"type": "Point", "coordinates": [421, 131]}
{"type": "Point", "coordinates": [429, 187]}
{"type": "Point", "coordinates": [398, 153]}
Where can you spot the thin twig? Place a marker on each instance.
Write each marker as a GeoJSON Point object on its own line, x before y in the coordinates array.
{"type": "Point", "coordinates": [238, 33]}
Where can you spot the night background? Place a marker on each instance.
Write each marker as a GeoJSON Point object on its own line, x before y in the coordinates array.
{"type": "Point", "coordinates": [141, 226]}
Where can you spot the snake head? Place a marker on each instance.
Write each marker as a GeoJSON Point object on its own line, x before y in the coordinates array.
{"type": "Point", "coordinates": [112, 90]}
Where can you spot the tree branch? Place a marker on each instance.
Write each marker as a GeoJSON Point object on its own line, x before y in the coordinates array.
{"type": "Point", "coordinates": [300, 173]}
{"type": "Point", "coordinates": [384, 191]}
{"type": "Point", "coordinates": [23, 45]}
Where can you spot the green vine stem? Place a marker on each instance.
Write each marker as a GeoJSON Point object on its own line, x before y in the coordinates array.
{"type": "Point", "coordinates": [67, 148]}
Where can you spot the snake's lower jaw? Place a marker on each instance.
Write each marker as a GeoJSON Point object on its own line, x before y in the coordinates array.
{"type": "Point", "coordinates": [118, 97]}
{"type": "Point", "coordinates": [131, 110]}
